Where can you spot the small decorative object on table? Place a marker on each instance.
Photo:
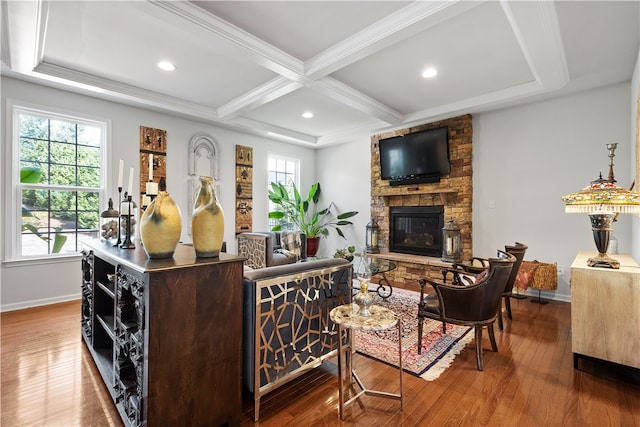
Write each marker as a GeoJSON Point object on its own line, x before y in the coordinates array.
{"type": "Point", "coordinates": [109, 224]}
{"type": "Point", "coordinates": [207, 221]}
{"type": "Point", "coordinates": [363, 298]}
{"type": "Point", "coordinates": [366, 266]}
{"type": "Point", "coordinates": [160, 227]}
{"type": "Point", "coordinates": [346, 253]}
{"type": "Point", "coordinates": [128, 215]}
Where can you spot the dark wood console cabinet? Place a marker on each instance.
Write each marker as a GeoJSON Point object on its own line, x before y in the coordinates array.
{"type": "Point", "coordinates": [165, 334]}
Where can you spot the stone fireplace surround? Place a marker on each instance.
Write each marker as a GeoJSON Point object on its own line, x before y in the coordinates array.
{"type": "Point", "coordinates": [454, 192]}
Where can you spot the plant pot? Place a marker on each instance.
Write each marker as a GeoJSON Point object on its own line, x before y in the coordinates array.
{"type": "Point", "coordinates": [312, 246]}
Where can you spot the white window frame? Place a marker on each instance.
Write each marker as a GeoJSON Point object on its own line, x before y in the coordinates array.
{"type": "Point", "coordinates": [276, 157]}
{"type": "Point", "coordinates": [13, 242]}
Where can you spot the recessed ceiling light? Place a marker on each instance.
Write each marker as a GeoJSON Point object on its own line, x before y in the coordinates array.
{"type": "Point", "coordinates": [429, 72]}
{"type": "Point", "coordinates": [307, 114]}
{"type": "Point", "coordinates": [166, 66]}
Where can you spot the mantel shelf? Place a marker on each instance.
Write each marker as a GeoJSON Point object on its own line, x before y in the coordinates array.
{"type": "Point", "coordinates": [387, 192]}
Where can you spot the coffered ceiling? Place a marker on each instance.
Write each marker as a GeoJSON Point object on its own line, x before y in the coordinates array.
{"type": "Point", "coordinates": [258, 65]}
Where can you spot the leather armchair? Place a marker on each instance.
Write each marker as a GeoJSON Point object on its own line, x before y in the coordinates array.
{"type": "Point", "coordinates": [474, 305]}
{"type": "Point", "coordinates": [517, 251]}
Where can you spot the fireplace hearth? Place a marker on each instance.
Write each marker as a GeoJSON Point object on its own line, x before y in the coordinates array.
{"type": "Point", "coordinates": [416, 230]}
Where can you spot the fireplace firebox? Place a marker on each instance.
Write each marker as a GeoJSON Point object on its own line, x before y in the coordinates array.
{"type": "Point", "coordinates": [416, 230]}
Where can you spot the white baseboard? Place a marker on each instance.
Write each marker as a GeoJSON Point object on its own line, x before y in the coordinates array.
{"type": "Point", "coordinates": [36, 303]}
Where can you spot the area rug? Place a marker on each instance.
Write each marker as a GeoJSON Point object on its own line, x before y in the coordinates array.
{"type": "Point", "coordinates": [438, 350]}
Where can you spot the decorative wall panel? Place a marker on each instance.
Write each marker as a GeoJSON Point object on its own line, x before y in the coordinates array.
{"type": "Point", "coordinates": [244, 189]}
{"type": "Point", "coordinates": [152, 142]}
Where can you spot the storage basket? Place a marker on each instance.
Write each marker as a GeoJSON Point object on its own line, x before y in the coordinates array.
{"type": "Point", "coordinates": [538, 275]}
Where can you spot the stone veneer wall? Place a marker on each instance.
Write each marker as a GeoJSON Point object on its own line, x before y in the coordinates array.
{"type": "Point", "coordinates": [454, 192]}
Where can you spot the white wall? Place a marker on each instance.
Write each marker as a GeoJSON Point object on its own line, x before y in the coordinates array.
{"type": "Point", "coordinates": [28, 284]}
{"type": "Point", "coordinates": [635, 168]}
{"type": "Point", "coordinates": [344, 171]}
{"type": "Point", "coordinates": [525, 159]}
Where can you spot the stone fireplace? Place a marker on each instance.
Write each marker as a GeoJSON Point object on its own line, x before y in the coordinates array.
{"type": "Point", "coordinates": [416, 230]}
{"type": "Point", "coordinates": [453, 195]}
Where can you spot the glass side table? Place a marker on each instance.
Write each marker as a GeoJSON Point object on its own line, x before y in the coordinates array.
{"type": "Point", "coordinates": [365, 264]}
{"type": "Point", "coordinates": [347, 318]}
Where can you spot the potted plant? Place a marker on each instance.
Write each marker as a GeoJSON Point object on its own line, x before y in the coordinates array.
{"type": "Point", "coordinates": [305, 215]}
{"type": "Point", "coordinates": [347, 253]}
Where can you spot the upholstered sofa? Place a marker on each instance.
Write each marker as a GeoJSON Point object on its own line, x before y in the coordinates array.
{"type": "Point", "coordinates": [286, 325]}
{"type": "Point", "coordinates": [267, 249]}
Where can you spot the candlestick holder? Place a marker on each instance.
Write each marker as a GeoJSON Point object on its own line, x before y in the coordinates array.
{"type": "Point", "coordinates": [119, 241]}
{"type": "Point", "coordinates": [129, 214]}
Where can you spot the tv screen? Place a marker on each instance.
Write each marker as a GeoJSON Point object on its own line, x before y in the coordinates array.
{"type": "Point", "coordinates": [415, 157]}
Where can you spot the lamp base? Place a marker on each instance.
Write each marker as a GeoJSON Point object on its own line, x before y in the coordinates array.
{"type": "Point", "coordinates": [601, 226]}
{"type": "Point", "coordinates": [603, 260]}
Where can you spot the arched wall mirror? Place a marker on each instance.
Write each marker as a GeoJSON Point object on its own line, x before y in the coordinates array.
{"type": "Point", "coordinates": [203, 161]}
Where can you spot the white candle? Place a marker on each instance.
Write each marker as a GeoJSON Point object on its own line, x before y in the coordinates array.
{"type": "Point", "coordinates": [152, 188]}
{"type": "Point", "coordinates": [124, 208]}
{"type": "Point", "coordinates": [130, 189]}
{"type": "Point", "coordinates": [120, 173]}
{"type": "Point", "coordinates": [146, 201]}
{"type": "Point", "coordinates": [150, 167]}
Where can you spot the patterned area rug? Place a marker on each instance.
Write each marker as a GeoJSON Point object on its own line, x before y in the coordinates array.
{"type": "Point", "coordinates": [438, 350]}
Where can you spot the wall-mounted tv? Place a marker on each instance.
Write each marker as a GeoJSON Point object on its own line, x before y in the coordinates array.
{"type": "Point", "coordinates": [415, 157]}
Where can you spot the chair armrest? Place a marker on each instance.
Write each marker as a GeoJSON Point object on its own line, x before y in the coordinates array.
{"type": "Point", "coordinates": [459, 276]}
{"type": "Point", "coordinates": [257, 247]}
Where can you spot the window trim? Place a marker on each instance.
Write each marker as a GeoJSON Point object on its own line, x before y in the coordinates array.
{"type": "Point", "coordinates": [270, 155]}
{"type": "Point", "coordinates": [13, 187]}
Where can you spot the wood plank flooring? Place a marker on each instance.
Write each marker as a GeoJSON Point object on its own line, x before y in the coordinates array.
{"type": "Point", "coordinates": [49, 379]}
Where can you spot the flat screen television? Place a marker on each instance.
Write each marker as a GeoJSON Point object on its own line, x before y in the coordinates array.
{"type": "Point", "coordinates": [415, 157]}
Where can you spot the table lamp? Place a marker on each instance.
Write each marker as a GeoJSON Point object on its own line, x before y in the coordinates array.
{"type": "Point", "coordinates": [603, 200]}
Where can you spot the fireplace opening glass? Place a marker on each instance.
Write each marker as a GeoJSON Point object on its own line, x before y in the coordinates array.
{"type": "Point", "coordinates": [416, 230]}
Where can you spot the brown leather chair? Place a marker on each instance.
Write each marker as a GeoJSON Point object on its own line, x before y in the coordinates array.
{"type": "Point", "coordinates": [517, 251]}
{"type": "Point", "coordinates": [474, 305]}
{"type": "Point", "coordinates": [465, 273]}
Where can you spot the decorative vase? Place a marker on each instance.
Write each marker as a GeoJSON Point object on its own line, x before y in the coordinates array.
{"type": "Point", "coordinates": [160, 227]}
{"type": "Point", "coordinates": [364, 299]}
{"type": "Point", "coordinates": [312, 246]}
{"type": "Point", "coordinates": [207, 221]}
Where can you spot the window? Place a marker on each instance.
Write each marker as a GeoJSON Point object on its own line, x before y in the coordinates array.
{"type": "Point", "coordinates": [284, 171]}
{"type": "Point", "coordinates": [58, 181]}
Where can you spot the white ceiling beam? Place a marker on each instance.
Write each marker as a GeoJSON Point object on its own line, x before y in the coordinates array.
{"type": "Point", "coordinates": [536, 28]}
{"type": "Point", "coordinates": [274, 132]}
{"type": "Point", "coordinates": [257, 97]}
{"type": "Point", "coordinates": [25, 31]}
{"type": "Point", "coordinates": [400, 25]}
{"type": "Point", "coordinates": [121, 92]}
{"type": "Point", "coordinates": [345, 94]}
{"type": "Point", "coordinates": [263, 53]}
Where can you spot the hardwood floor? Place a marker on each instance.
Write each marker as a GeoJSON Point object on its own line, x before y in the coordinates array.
{"type": "Point", "coordinates": [49, 379]}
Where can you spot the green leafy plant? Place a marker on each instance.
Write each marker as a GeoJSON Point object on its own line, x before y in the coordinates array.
{"type": "Point", "coordinates": [347, 253]}
{"type": "Point", "coordinates": [31, 175]}
{"type": "Point", "coordinates": [304, 214]}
